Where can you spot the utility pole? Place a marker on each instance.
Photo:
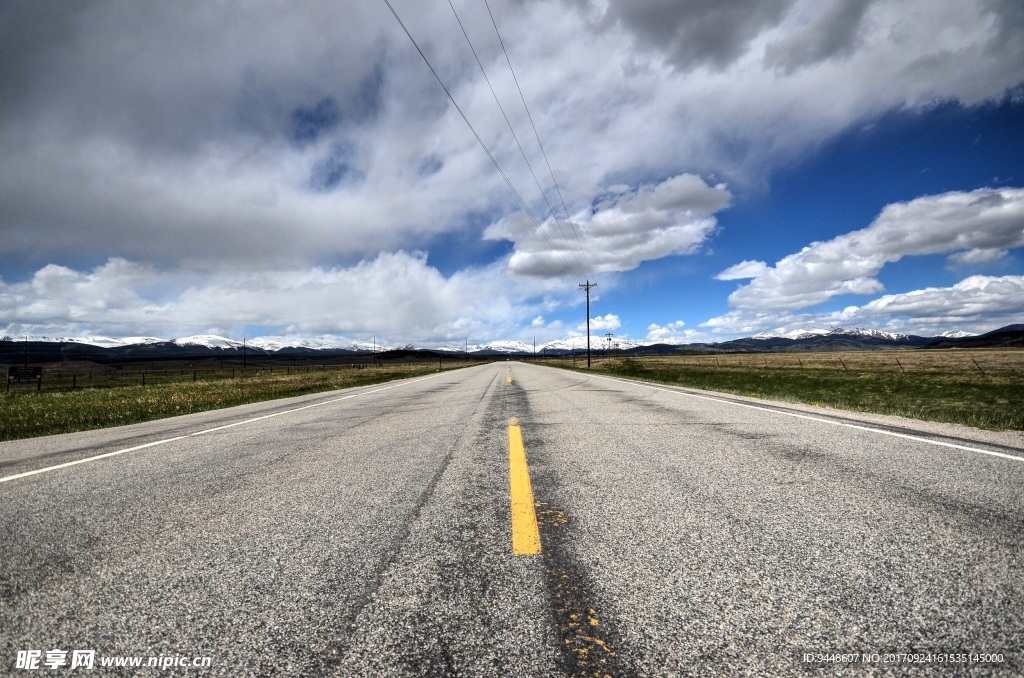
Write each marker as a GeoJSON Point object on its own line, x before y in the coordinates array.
{"type": "Point", "coordinates": [243, 354]}
{"type": "Point", "coordinates": [608, 336]}
{"type": "Point", "coordinates": [586, 288]}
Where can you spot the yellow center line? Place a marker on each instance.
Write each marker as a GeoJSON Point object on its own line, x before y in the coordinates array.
{"type": "Point", "coordinates": [525, 536]}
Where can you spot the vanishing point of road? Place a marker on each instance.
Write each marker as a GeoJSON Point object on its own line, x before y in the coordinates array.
{"type": "Point", "coordinates": [388, 530]}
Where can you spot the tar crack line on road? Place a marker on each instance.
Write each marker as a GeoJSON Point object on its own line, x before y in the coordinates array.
{"type": "Point", "coordinates": [590, 643]}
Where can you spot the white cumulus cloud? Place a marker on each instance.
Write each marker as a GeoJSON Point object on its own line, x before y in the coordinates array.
{"type": "Point", "coordinates": [395, 295]}
{"type": "Point", "coordinates": [675, 333]}
{"type": "Point", "coordinates": [623, 229]}
{"type": "Point", "coordinates": [976, 256]}
{"type": "Point", "coordinates": [977, 303]}
{"type": "Point", "coordinates": [606, 323]}
{"type": "Point", "coordinates": [985, 220]}
{"type": "Point", "coordinates": [743, 271]}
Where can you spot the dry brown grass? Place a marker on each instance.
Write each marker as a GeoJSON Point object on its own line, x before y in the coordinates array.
{"type": "Point", "coordinates": [981, 388]}
{"type": "Point", "coordinates": [988, 362]}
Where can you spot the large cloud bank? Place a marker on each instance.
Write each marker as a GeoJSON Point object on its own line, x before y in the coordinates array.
{"type": "Point", "coordinates": [218, 142]}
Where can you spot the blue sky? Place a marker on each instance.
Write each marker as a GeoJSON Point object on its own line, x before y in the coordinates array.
{"type": "Point", "coordinates": [729, 169]}
{"type": "Point", "coordinates": [836, 189]}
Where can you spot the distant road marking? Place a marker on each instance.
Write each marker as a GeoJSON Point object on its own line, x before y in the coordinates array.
{"type": "Point", "coordinates": [209, 430]}
{"type": "Point", "coordinates": [525, 535]}
{"type": "Point", "coordinates": [817, 419]}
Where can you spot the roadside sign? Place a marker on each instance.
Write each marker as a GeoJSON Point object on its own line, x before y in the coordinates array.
{"type": "Point", "coordinates": [24, 374]}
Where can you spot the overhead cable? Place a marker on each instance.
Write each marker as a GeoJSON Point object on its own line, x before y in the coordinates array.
{"type": "Point", "coordinates": [568, 216]}
{"type": "Point", "coordinates": [490, 155]}
{"type": "Point", "coordinates": [551, 210]}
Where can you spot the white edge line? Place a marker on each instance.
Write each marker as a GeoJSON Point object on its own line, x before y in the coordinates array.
{"type": "Point", "coordinates": [813, 418]}
{"type": "Point", "coordinates": [208, 430]}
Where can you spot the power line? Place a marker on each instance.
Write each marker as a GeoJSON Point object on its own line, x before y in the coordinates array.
{"type": "Point", "coordinates": [543, 194]}
{"type": "Point", "coordinates": [537, 134]}
{"type": "Point", "coordinates": [494, 161]}
{"type": "Point", "coordinates": [586, 288]}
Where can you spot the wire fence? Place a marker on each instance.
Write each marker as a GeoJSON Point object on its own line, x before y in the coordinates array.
{"type": "Point", "coordinates": [72, 376]}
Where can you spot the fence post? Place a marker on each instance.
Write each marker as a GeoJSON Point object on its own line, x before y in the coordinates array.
{"type": "Point", "coordinates": [979, 367]}
{"type": "Point", "coordinates": [901, 365]}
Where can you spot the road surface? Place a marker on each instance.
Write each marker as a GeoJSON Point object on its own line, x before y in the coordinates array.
{"type": "Point", "coordinates": [367, 532]}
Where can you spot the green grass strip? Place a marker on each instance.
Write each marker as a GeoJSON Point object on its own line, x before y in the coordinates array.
{"type": "Point", "coordinates": [982, 402]}
{"type": "Point", "coordinates": [29, 414]}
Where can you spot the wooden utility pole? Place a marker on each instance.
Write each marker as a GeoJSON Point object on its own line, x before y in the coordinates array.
{"type": "Point", "coordinates": [586, 288]}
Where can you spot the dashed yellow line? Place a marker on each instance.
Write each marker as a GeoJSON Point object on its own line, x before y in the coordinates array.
{"type": "Point", "coordinates": [525, 535]}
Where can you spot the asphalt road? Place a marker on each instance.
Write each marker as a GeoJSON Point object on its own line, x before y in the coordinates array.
{"type": "Point", "coordinates": [367, 532]}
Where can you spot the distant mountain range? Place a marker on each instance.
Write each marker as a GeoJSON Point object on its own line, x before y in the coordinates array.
{"type": "Point", "coordinates": [40, 349]}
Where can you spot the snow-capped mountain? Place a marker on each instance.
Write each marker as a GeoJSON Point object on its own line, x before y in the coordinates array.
{"type": "Point", "coordinates": [861, 332]}
{"type": "Point", "coordinates": [102, 342]}
{"type": "Point", "coordinates": [276, 343]}
{"type": "Point", "coordinates": [566, 344]}
{"type": "Point", "coordinates": [134, 341]}
{"type": "Point", "coordinates": [813, 339]}
{"type": "Point", "coordinates": [792, 334]}
{"type": "Point", "coordinates": [208, 341]}
{"type": "Point", "coordinates": [508, 346]}
{"type": "Point", "coordinates": [833, 332]}
{"type": "Point", "coordinates": [556, 346]}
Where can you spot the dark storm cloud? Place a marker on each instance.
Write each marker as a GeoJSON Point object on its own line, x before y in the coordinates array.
{"type": "Point", "coordinates": [833, 33]}
{"type": "Point", "coordinates": [699, 32]}
{"type": "Point", "coordinates": [166, 131]}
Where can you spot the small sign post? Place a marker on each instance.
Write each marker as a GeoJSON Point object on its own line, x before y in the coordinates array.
{"type": "Point", "coordinates": [25, 374]}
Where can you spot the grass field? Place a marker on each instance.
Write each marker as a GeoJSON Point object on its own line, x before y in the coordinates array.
{"type": "Point", "coordinates": [980, 388]}
{"type": "Point", "coordinates": [115, 398]}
